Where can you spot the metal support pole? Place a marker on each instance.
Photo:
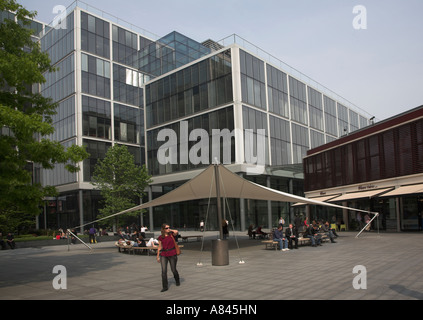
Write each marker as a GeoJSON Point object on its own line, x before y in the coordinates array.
{"type": "Point", "coordinates": [376, 215]}
{"type": "Point", "coordinates": [70, 232]}
{"type": "Point", "coordinates": [220, 249]}
{"type": "Point", "coordinates": [218, 200]}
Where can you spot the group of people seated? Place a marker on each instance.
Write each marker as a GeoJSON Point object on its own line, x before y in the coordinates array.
{"type": "Point", "coordinates": [252, 233]}
{"type": "Point", "coordinates": [288, 238]}
{"type": "Point", "coordinates": [314, 232]}
{"type": "Point", "coordinates": [136, 239]}
{"type": "Point", "coordinates": [60, 235]}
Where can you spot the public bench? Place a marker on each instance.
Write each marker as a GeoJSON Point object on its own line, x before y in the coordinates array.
{"type": "Point", "coordinates": [271, 244]}
{"type": "Point", "coordinates": [132, 249]}
{"type": "Point", "coordinates": [186, 238]}
{"type": "Point", "coordinates": [148, 249]}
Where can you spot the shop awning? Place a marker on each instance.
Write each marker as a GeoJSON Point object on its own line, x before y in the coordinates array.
{"type": "Point", "coordinates": [415, 188]}
{"type": "Point", "coordinates": [322, 199]}
{"type": "Point", "coordinates": [359, 195]}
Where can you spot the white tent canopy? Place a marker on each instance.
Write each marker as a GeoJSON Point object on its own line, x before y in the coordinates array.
{"type": "Point", "coordinates": [203, 186]}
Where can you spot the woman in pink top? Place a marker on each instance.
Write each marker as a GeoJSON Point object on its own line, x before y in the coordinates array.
{"type": "Point", "coordinates": [167, 253]}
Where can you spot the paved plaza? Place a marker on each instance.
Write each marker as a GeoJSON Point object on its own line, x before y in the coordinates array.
{"type": "Point", "coordinates": [392, 261]}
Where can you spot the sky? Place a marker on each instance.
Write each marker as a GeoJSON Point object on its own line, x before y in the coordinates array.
{"type": "Point", "coordinates": [372, 57]}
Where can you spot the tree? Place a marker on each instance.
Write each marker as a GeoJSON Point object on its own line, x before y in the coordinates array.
{"type": "Point", "coordinates": [120, 181]}
{"type": "Point", "coordinates": [25, 117]}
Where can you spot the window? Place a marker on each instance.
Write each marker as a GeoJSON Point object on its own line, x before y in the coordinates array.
{"type": "Point", "coordinates": [219, 119]}
{"type": "Point", "coordinates": [330, 116]}
{"type": "Point", "coordinates": [300, 142]}
{"type": "Point", "coordinates": [97, 150]}
{"type": "Point", "coordinates": [201, 86]}
{"type": "Point", "coordinates": [127, 85]}
{"type": "Point", "coordinates": [128, 124]}
{"type": "Point", "coordinates": [125, 46]}
{"type": "Point", "coordinates": [315, 109]}
{"type": "Point", "coordinates": [95, 35]}
{"type": "Point", "coordinates": [297, 91]}
{"type": "Point", "coordinates": [277, 91]}
{"type": "Point", "coordinates": [280, 141]}
{"type": "Point", "coordinates": [95, 76]}
{"type": "Point", "coordinates": [96, 118]}
{"type": "Point", "coordinates": [252, 80]}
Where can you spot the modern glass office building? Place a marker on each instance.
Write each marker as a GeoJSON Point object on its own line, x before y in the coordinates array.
{"type": "Point", "coordinates": [118, 84]}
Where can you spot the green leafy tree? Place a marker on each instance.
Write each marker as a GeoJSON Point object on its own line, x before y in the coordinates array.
{"type": "Point", "coordinates": [25, 118]}
{"type": "Point", "coordinates": [120, 181]}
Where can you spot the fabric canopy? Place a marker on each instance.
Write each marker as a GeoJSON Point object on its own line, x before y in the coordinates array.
{"type": "Point", "coordinates": [323, 198]}
{"type": "Point", "coordinates": [203, 186]}
{"type": "Point", "coordinates": [360, 195]}
{"type": "Point", "coordinates": [417, 188]}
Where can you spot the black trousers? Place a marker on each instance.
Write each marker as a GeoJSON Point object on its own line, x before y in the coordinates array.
{"type": "Point", "coordinates": [290, 242]}
{"type": "Point", "coordinates": [172, 261]}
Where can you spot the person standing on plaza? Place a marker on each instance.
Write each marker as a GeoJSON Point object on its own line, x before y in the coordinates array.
{"type": "Point", "coordinates": [167, 253]}
{"type": "Point", "coordinates": [92, 233]}
{"type": "Point", "coordinates": [305, 224]}
{"type": "Point", "coordinates": [225, 229]}
{"type": "Point", "coordinates": [297, 222]}
{"type": "Point", "coordinates": [366, 221]}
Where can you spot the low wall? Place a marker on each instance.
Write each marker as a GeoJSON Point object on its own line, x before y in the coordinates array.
{"type": "Point", "coordinates": [54, 242]}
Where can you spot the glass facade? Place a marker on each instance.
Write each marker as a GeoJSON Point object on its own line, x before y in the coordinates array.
{"type": "Point", "coordinates": [204, 85]}
{"type": "Point", "coordinates": [169, 53]}
{"type": "Point", "coordinates": [392, 153]}
{"type": "Point", "coordinates": [125, 46]}
{"type": "Point", "coordinates": [277, 87]}
{"type": "Point", "coordinates": [280, 141]}
{"type": "Point", "coordinates": [95, 74]}
{"type": "Point", "coordinates": [96, 118]}
{"type": "Point", "coordinates": [95, 35]}
{"type": "Point", "coordinates": [252, 80]}
{"type": "Point", "coordinates": [220, 119]}
{"type": "Point", "coordinates": [59, 42]}
{"type": "Point", "coordinates": [128, 124]}
{"type": "Point", "coordinates": [255, 120]}
{"type": "Point", "coordinates": [97, 150]}
{"type": "Point", "coordinates": [181, 84]}
{"type": "Point", "coordinates": [127, 85]}
{"type": "Point", "coordinates": [64, 120]}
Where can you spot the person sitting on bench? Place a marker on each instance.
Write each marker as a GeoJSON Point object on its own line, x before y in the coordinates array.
{"type": "Point", "coordinates": [291, 234]}
{"type": "Point", "coordinates": [312, 234]}
{"type": "Point", "coordinates": [278, 236]}
{"type": "Point", "coordinates": [260, 233]}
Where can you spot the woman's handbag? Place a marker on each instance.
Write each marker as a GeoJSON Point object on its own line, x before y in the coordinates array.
{"type": "Point", "coordinates": [178, 250]}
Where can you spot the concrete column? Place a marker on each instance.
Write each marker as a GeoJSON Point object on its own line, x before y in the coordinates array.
{"type": "Point", "coordinates": [242, 210]}
{"type": "Point", "coordinates": [150, 210]}
{"type": "Point", "coordinates": [398, 204]}
{"type": "Point", "coordinates": [269, 206]}
{"type": "Point", "coordinates": [81, 210]}
{"type": "Point", "coordinates": [345, 214]}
